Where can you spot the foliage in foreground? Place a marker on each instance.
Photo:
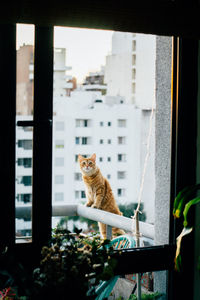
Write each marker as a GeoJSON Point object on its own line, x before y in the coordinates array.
{"type": "Point", "coordinates": [184, 205]}
{"type": "Point", "coordinates": [153, 296]}
{"type": "Point", "coordinates": [73, 264]}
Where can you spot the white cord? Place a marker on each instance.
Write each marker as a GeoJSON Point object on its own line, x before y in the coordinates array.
{"type": "Point", "coordinates": [145, 162]}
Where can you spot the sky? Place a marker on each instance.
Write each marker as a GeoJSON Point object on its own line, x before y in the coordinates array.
{"type": "Point", "coordinates": [86, 48]}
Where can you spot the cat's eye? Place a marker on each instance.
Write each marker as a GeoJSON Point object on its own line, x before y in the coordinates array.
{"type": "Point", "coordinates": [90, 163]}
{"type": "Point", "coordinates": [83, 163]}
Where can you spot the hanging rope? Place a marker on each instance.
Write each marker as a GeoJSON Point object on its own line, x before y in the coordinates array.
{"type": "Point", "coordinates": [137, 211]}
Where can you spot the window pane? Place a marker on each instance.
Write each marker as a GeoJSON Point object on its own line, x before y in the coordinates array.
{"type": "Point", "coordinates": [59, 179]}
{"type": "Point", "coordinates": [119, 111]}
{"type": "Point", "coordinates": [24, 135]}
{"type": "Point", "coordinates": [59, 161]}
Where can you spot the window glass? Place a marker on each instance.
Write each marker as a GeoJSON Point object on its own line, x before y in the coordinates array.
{"type": "Point", "coordinates": [116, 88]}
{"type": "Point", "coordinates": [109, 100]}
{"type": "Point", "coordinates": [24, 134]}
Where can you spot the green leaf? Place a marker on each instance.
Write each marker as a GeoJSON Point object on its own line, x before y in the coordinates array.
{"type": "Point", "coordinates": [178, 199]}
{"type": "Point", "coordinates": [182, 198]}
{"type": "Point", "coordinates": [177, 259]}
{"type": "Point", "coordinates": [187, 209]}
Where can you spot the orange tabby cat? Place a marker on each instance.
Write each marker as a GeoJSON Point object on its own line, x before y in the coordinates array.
{"type": "Point", "coordinates": [98, 191]}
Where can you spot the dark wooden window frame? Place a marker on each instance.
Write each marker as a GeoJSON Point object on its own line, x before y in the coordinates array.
{"type": "Point", "coordinates": [185, 54]}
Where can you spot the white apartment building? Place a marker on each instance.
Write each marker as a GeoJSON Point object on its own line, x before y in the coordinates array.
{"type": "Point", "coordinates": [84, 124]}
{"type": "Point", "coordinates": [92, 126]}
{"type": "Point", "coordinates": [115, 127]}
{"type": "Point", "coordinates": [130, 73]}
{"type": "Point", "coordinates": [130, 68]}
{"type": "Point", "coordinates": [24, 146]}
{"type": "Point", "coordinates": [60, 84]}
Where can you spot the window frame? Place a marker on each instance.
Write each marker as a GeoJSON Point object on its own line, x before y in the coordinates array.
{"type": "Point", "coordinates": [181, 133]}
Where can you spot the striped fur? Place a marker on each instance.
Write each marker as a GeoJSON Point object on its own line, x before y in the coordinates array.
{"type": "Point", "coordinates": [98, 191]}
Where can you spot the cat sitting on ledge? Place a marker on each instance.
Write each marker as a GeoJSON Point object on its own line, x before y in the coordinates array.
{"type": "Point", "coordinates": [98, 191]}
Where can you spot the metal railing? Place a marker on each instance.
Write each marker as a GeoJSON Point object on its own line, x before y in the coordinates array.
{"type": "Point", "coordinates": [110, 219]}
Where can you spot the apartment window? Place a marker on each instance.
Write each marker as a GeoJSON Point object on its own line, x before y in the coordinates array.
{"type": "Point", "coordinates": [133, 87]}
{"type": "Point", "coordinates": [120, 192]}
{"type": "Point", "coordinates": [134, 45]}
{"type": "Point", "coordinates": [121, 123]}
{"type": "Point", "coordinates": [76, 156]}
{"type": "Point", "coordinates": [101, 141]}
{"type": "Point", "coordinates": [78, 176]}
{"type": "Point", "coordinates": [101, 124]}
{"type": "Point", "coordinates": [59, 161]}
{"type": "Point", "coordinates": [59, 144]}
{"type": "Point", "coordinates": [121, 140]}
{"type": "Point", "coordinates": [80, 195]}
{"type": "Point", "coordinates": [121, 157]}
{"type": "Point", "coordinates": [121, 175]}
{"type": "Point", "coordinates": [100, 159]}
{"type": "Point", "coordinates": [109, 141]}
{"type": "Point", "coordinates": [83, 196]}
{"type": "Point", "coordinates": [25, 162]}
{"type": "Point", "coordinates": [60, 126]}
{"type": "Point", "coordinates": [26, 180]}
{"type": "Point", "coordinates": [82, 123]}
{"type": "Point", "coordinates": [108, 158]}
{"type": "Point", "coordinates": [109, 124]}
{"type": "Point", "coordinates": [133, 59]}
{"type": "Point", "coordinates": [133, 73]}
{"type": "Point", "coordinates": [59, 196]}
{"type": "Point", "coordinates": [59, 179]}
{"type": "Point", "coordinates": [82, 140]}
{"type": "Point", "coordinates": [108, 176]}
{"type": "Point", "coordinates": [25, 144]}
{"type": "Point", "coordinates": [26, 198]}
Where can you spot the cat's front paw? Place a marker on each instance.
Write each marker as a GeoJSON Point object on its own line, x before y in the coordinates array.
{"type": "Point", "coordinates": [88, 204]}
{"type": "Point", "coordinates": [94, 206]}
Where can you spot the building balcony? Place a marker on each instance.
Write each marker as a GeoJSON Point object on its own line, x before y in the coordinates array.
{"type": "Point", "coordinates": [94, 87]}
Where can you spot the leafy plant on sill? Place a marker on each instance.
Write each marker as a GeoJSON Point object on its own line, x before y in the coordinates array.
{"type": "Point", "coordinates": [183, 205]}
{"type": "Point", "coordinates": [72, 265]}
{"type": "Point", "coordinates": [153, 296]}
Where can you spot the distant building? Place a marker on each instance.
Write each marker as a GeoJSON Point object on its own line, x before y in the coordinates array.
{"type": "Point", "coordinates": [84, 124]}
{"type": "Point", "coordinates": [25, 63]}
{"type": "Point", "coordinates": [130, 74]}
{"type": "Point", "coordinates": [91, 126]}
{"type": "Point", "coordinates": [95, 82]}
{"type": "Point", "coordinates": [63, 83]}
{"type": "Point", "coordinates": [130, 68]}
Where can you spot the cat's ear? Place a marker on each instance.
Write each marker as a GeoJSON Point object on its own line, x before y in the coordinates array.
{"type": "Point", "coordinates": [80, 157]}
{"type": "Point", "coordinates": [93, 157]}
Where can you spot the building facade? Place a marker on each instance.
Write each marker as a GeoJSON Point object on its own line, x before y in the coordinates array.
{"type": "Point", "coordinates": [25, 64]}
{"type": "Point", "coordinates": [110, 131]}
{"type": "Point", "coordinates": [130, 73]}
